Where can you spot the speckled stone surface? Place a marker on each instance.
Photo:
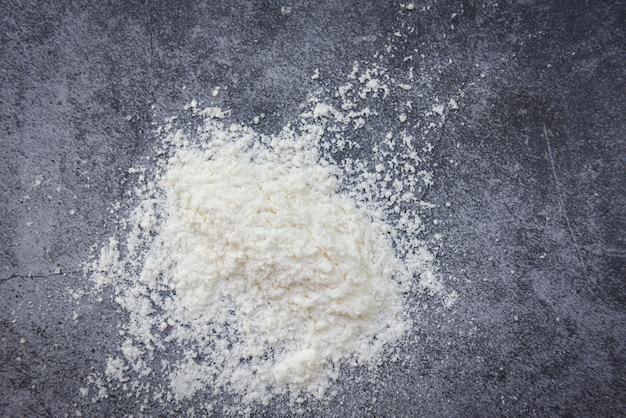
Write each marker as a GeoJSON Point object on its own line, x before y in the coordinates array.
{"type": "Point", "coordinates": [532, 164]}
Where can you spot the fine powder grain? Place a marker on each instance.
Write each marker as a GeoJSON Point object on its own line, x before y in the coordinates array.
{"type": "Point", "coordinates": [262, 265]}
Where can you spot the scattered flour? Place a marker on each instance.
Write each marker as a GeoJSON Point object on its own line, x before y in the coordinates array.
{"type": "Point", "coordinates": [262, 265]}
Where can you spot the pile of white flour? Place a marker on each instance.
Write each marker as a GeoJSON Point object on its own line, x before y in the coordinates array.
{"type": "Point", "coordinates": [258, 265]}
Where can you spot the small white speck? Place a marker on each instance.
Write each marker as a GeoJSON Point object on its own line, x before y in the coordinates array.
{"type": "Point", "coordinates": [438, 109]}
{"type": "Point", "coordinates": [516, 317]}
{"type": "Point", "coordinates": [316, 74]}
{"type": "Point", "coordinates": [22, 340]}
{"type": "Point", "coordinates": [402, 117]}
{"type": "Point", "coordinates": [410, 6]}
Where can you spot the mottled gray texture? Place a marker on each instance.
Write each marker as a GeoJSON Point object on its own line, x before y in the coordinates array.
{"type": "Point", "coordinates": [533, 165]}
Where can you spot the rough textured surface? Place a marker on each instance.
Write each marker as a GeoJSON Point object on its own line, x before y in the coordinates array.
{"type": "Point", "coordinates": [532, 164]}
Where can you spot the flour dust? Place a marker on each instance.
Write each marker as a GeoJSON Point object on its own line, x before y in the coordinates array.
{"type": "Point", "coordinates": [260, 266]}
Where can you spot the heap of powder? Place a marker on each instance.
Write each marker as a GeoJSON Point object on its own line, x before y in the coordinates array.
{"type": "Point", "coordinates": [259, 265]}
{"type": "Point", "coordinates": [305, 272]}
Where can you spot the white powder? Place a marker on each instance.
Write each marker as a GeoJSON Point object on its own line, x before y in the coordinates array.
{"type": "Point", "coordinates": [304, 269]}
{"type": "Point", "coordinates": [259, 265]}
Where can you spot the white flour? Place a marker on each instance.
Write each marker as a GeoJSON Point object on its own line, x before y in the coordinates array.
{"type": "Point", "coordinates": [304, 271]}
{"type": "Point", "coordinates": [259, 265]}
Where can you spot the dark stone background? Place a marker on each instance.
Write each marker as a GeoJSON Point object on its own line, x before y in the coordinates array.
{"type": "Point", "coordinates": [533, 165]}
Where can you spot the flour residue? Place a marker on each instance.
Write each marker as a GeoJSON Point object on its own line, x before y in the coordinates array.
{"type": "Point", "coordinates": [261, 265]}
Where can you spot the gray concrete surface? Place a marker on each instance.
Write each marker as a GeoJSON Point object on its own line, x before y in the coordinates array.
{"type": "Point", "coordinates": [532, 164]}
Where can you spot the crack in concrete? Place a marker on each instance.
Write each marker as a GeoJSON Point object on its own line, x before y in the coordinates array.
{"type": "Point", "coordinates": [36, 276]}
{"type": "Point", "coordinates": [561, 200]}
